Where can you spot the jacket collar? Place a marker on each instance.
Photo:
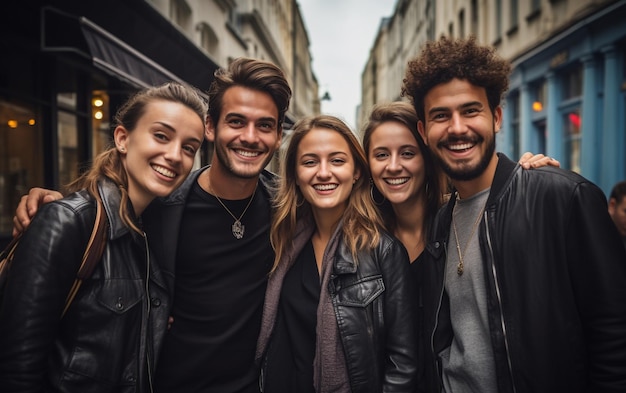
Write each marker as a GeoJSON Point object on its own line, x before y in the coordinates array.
{"type": "Point", "coordinates": [111, 199]}
{"type": "Point", "coordinates": [501, 178]}
{"type": "Point", "coordinates": [441, 225]}
{"type": "Point", "coordinates": [344, 263]}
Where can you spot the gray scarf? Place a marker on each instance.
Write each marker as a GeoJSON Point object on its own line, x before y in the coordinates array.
{"type": "Point", "coordinates": [329, 367]}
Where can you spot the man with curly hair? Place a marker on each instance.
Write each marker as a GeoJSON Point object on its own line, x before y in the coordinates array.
{"type": "Point", "coordinates": [523, 287]}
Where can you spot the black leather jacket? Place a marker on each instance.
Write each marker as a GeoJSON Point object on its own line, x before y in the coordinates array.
{"type": "Point", "coordinates": [374, 303]}
{"type": "Point", "coordinates": [108, 339]}
{"type": "Point", "coordinates": [555, 273]}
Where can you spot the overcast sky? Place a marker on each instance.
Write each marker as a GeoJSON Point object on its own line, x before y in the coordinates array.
{"type": "Point", "coordinates": [341, 34]}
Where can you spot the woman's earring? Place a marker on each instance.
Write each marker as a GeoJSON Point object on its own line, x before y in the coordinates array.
{"type": "Point", "coordinates": [372, 186]}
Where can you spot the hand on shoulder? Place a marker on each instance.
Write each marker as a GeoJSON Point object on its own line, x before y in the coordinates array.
{"type": "Point", "coordinates": [530, 160]}
{"type": "Point", "coordinates": [28, 206]}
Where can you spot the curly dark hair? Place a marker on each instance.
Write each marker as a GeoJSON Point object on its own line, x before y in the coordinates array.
{"type": "Point", "coordinates": [446, 59]}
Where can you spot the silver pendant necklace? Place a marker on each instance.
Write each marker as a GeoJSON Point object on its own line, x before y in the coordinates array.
{"type": "Point", "coordinates": [238, 229]}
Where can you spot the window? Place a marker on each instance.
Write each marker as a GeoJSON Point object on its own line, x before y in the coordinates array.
{"type": "Point", "coordinates": [180, 12]}
{"type": "Point", "coordinates": [208, 38]}
{"type": "Point", "coordinates": [513, 16]}
{"type": "Point", "coordinates": [67, 134]}
{"type": "Point", "coordinates": [540, 96]}
{"type": "Point", "coordinates": [462, 24]}
{"type": "Point", "coordinates": [573, 82]}
{"type": "Point", "coordinates": [535, 5]}
{"type": "Point", "coordinates": [474, 16]}
{"type": "Point", "coordinates": [21, 156]}
{"type": "Point", "coordinates": [498, 19]}
{"type": "Point", "coordinates": [571, 123]}
{"type": "Point", "coordinates": [514, 105]}
{"type": "Point", "coordinates": [100, 123]}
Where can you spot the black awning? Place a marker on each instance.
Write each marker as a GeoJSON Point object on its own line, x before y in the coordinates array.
{"type": "Point", "coordinates": [64, 32]}
{"type": "Point", "coordinates": [114, 56]}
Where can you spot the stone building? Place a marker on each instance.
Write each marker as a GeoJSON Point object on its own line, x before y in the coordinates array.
{"type": "Point", "coordinates": [69, 64]}
{"type": "Point", "coordinates": [567, 94]}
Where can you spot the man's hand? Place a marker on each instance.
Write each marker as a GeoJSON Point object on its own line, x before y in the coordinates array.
{"type": "Point", "coordinates": [529, 160]}
{"type": "Point", "coordinates": [28, 206]}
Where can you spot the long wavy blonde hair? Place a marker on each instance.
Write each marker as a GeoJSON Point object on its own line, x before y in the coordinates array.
{"type": "Point", "coordinates": [362, 222]}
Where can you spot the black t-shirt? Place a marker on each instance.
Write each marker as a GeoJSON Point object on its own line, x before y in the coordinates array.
{"type": "Point", "coordinates": [219, 292]}
{"type": "Point", "coordinates": [290, 363]}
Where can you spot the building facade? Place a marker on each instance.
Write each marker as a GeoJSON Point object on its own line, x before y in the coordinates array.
{"type": "Point", "coordinates": [69, 64]}
{"type": "Point", "coordinates": [567, 94]}
{"type": "Point", "coordinates": [400, 36]}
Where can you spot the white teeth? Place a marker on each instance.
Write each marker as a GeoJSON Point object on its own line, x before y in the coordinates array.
{"type": "Point", "coordinates": [164, 171]}
{"type": "Point", "coordinates": [397, 181]}
{"type": "Point", "coordinates": [325, 187]}
{"type": "Point", "coordinates": [247, 153]}
{"type": "Point", "coordinates": [462, 146]}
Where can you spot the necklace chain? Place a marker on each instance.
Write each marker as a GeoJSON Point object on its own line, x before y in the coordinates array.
{"type": "Point", "coordinates": [460, 266]}
{"type": "Point", "coordinates": [238, 229]}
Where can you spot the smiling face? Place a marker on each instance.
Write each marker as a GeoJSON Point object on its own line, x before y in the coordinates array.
{"type": "Point", "coordinates": [396, 163]}
{"type": "Point", "coordinates": [459, 129]}
{"type": "Point", "coordinates": [159, 153]}
{"type": "Point", "coordinates": [247, 134]}
{"type": "Point", "coordinates": [325, 170]}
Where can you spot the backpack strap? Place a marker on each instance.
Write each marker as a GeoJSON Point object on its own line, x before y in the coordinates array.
{"type": "Point", "coordinates": [93, 252]}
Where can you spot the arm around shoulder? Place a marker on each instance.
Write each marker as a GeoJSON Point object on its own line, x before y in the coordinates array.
{"type": "Point", "coordinates": [28, 206]}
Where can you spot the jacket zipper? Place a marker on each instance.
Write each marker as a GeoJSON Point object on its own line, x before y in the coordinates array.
{"type": "Point", "coordinates": [149, 304]}
{"type": "Point", "coordinates": [497, 287]}
{"type": "Point", "coordinates": [432, 334]}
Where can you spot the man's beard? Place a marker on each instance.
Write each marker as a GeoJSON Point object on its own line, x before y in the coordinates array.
{"type": "Point", "coordinates": [466, 173]}
{"type": "Point", "coordinates": [222, 156]}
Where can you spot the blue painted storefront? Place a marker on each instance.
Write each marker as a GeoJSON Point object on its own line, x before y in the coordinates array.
{"type": "Point", "coordinates": [567, 99]}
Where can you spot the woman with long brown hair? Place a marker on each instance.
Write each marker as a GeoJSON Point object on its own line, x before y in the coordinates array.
{"type": "Point", "coordinates": [108, 338]}
{"type": "Point", "coordinates": [339, 311]}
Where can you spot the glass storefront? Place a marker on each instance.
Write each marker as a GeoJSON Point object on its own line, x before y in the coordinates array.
{"type": "Point", "coordinates": [21, 156]}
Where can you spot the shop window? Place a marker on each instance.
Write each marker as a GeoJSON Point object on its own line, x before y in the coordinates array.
{"type": "Point", "coordinates": [540, 97]}
{"type": "Point", "coordinates": [573, 82]}
{"type": "Point", "coordinates": [572, 121]}
{"type": "Point", "coordinates": [514, 105]}
{"type": "Point", "coordinates": [21, 157]}
{"type": "Point", "coordinates": [67, 134]}
{"type": "Point", "coordinates": [100, 122]}
{"type": "Point", "coordinates": [539, 136]}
